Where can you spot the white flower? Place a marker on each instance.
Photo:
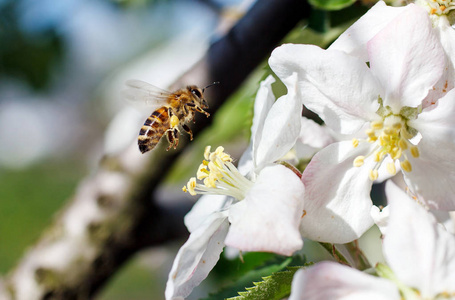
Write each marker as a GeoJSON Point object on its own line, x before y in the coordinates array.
{"type": "Point", "coordinates": [354, 40]}
{"type": "Point", "coordinates": [418, 250]}
{"type": "Point", "coordinates": [257, 212]}
{"type": "Point", "coordinates": [405, 61]}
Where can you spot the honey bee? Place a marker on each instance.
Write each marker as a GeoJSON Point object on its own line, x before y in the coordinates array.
{"type": "Point", "coordinates": [174, 110]}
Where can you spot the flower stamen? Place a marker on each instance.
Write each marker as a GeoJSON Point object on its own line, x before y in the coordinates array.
{"type": "Point", "coordinates": [219, 176]}
{"type": "Point", "coordinates": [391, 138]}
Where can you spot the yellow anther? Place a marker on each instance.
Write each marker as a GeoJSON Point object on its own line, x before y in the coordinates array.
{"type": "Point", "coordinates": [397, 126]}
{"type": "Point", "coordinates": [406, 166]}
{"type": "Point", "coordinates": [219, 150]}
{"type": "Point", "coordinates": [355, 143]}
{"type": "Point", "coordinates": [390, 131]}
{"type": "Point", "coordinates": [370, 132]}
{"type": "Point", "coordinates": [202, 172]}
{"type": "Point", "coordinates": [372, 139]}
{"type": "Point", "coordinates": [184, 189]}
{"type": "Point", "coordinates": [207, 152]}
{"type": "Point", "coordinates": [359, 161]}
{"type": "Point", "coordinates": [377, 156]}
{"type": "Point", "coordinates": [442, 8]}
{"type": "Point", "coordinates": [396, 153]}
{"type": "Point", "coordinates": [376, 125]}
{"type": "Point", "coordinates": [373, 175]}
{"type": "Point", "coordinates": [391, 168]}
{"type": "Point", "coordinates": [174, 121]}
{"type": "Point", "coordinates": [222, 155]}
{"type": "Point", "coordinates": [191, 186]}
{"type": "Point", "coordinates": [210, 181]}
{"type": "Point", "coordinates": [402, 144]}
{"type": "Point", "coordinates": [414, 151]}
{"type": "Point", "coordinates": [384, 140]}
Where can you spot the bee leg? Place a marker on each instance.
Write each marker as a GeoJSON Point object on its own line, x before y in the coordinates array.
{"type": "Point", "coordinates": [170, 139]}
{"type": "Point", "coordinates": [188, 130]}
{"type": "Point", "coordinates": [202, 111]}
{"type": "Point", "coordinates": [198, 109]}
{"type": "Point", "coordinates": [176, 137]}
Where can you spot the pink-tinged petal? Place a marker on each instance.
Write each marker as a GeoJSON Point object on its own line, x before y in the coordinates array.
{"type": "Point", "coordinates": [268, 218]}
{"type": "Point", "coordinates": [433, 172]}
{"type": "Point", "coordinates": [203, 208]}
{"type": "Point", "coordinates": [418, 249]}
{"type": "Point", "coordinates": [280, 130]}
{"type": "Point", "coordinates": [197, 256]}
{"type": "Point", "coordinates": [446, 36]}
{"type": "Point", "coordinates": [407, 58]}
{"type": "Point", "coordinates": [337, 195]}
{"type": "Point", "coordinates": [338, 87]}
{"type": "Point", "coordinates": [354, 40]}
{"type": "Point", "coordinates": [329, 280]}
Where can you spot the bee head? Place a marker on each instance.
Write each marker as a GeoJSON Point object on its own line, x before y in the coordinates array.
{"type": "Point", "coordinates": [199, 94]}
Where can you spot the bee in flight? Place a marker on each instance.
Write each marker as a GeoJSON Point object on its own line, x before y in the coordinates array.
{"type": "Point", "coordinates": [174, 110]}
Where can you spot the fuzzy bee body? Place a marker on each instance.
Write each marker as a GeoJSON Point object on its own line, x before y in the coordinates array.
{"type": "Point", "coordinates": [153, 129]}
{"type": "Point", "coordinates": [175, 111]}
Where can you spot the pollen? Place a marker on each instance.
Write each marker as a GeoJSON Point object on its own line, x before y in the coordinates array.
{"type": "Point", "coordinates": [391, 138]}
{"type": "Point", "coordinates": [174, 121]}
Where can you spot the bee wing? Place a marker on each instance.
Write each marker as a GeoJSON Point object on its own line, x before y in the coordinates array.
{"type": "Point", "coordinates": [143, 93]}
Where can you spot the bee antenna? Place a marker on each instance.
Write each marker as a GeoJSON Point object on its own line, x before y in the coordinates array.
{"type": "Point", "coordinates": [214, 83]}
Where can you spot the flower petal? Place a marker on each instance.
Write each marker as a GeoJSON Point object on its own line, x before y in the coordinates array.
{"type": "Point", "coordinates": [433, 172]}
{"type": "Point", "coordinates": [418, 249]}
{"type": "Point", "coordinates": [354, 40]}
{"type": "Point", "coordinates": [407, 58]}
{"type": "Point", "coordinates": [262, 105]}
{"type": "Point", "coordinates": [338, 87]}
{"type": "Point", "coordinates": [446, 36]}
{"type": "Point", "coordinates": [381, 217]}
{"type": "Point", "coordinates": [329, 280]}
{"type": "Point", "coordinates": [203, 208]}
{"type": "Point", "coordinates": [197, 256]}
{"type": "Point", "coordinates": [280, 131]}
{"type": "Point", "coordinates": [337, 195]}
{"type": "Point", "coordinates": [314, 135]}
{"type": "Point", "coordinates": [268, 218]}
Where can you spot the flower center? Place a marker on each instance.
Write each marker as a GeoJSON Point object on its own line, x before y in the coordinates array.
{"type": "Point", "coordinates": [391, 137]}
{"type": "Point", "coordinates": [218, 176]}
{"type": "Point", "coordinates": [437, 7]}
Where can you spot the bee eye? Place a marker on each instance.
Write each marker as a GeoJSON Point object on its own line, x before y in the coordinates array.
{"type": "Point", "coordinates": [197, 93]}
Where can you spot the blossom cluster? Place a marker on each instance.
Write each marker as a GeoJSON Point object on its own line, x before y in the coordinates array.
{"type": "Point", "coordinates": [384, 90]}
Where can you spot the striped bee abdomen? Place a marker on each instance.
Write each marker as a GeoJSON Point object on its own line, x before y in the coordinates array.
{"type": "Point", "coordinates": [153, 129]}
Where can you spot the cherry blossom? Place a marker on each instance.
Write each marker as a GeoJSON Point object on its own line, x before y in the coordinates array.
{"type": "Point", "coordinates": [380, 102]}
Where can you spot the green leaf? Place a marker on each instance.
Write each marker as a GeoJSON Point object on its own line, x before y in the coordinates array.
{"type": "Point", "coordinates": [275, 286]}
{"type": "Point", "coordinates": [331, 4]}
